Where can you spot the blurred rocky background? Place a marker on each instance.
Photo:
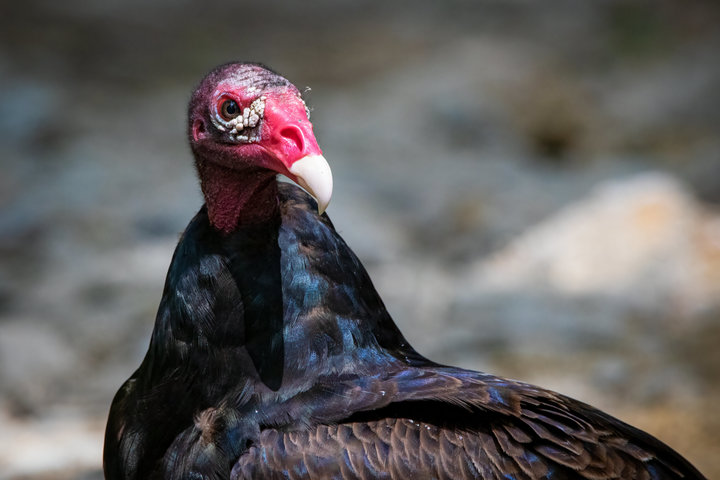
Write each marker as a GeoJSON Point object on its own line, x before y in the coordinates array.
{"type": "Point", "coordinates": [534, 187]}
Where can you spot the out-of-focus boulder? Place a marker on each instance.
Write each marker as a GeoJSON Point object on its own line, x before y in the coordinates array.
{"type": "Point", "coordinates": [642, 240]}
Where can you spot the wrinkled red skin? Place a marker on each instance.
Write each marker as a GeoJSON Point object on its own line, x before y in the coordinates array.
{"type": "Point", "coordinates": [238, 179]}
{"type": "Point", "coordinates": [289, 133]}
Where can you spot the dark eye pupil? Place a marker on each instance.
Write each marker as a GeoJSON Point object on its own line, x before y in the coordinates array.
{"type": "Point", "coordinates": [230, 109]}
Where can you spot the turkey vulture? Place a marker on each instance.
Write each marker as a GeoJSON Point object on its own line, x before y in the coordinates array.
{"type": "Point", "coordinates": [274, 357]}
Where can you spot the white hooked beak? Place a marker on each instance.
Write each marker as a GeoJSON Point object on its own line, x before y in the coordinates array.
{"type": "Point", "coordinates": [313, 173]}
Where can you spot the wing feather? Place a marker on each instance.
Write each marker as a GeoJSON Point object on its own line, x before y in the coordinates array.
{"type": "Point", "coordinates": [505, 431]}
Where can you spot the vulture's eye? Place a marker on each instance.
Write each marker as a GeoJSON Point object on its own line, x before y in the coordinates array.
{"type": "Point", "coordinates": [229, 109]}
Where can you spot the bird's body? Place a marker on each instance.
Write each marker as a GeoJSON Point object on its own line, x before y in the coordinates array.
{"type": "Point", "coordinates": [273, 356]}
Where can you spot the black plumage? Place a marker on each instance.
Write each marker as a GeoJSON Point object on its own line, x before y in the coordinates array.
{"type": "Point", "coordinates": [273, 356]}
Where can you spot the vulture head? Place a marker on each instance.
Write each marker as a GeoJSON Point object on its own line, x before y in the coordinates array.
{"type": "Point", "coordinates": [246, 125]}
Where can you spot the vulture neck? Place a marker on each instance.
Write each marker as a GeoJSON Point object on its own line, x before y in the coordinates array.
{"type": "Point", "coordinates": [238, 197]}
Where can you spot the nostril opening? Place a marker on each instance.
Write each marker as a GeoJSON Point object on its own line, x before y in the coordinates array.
{"type": "Point", "coordinates": [293, 134]}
